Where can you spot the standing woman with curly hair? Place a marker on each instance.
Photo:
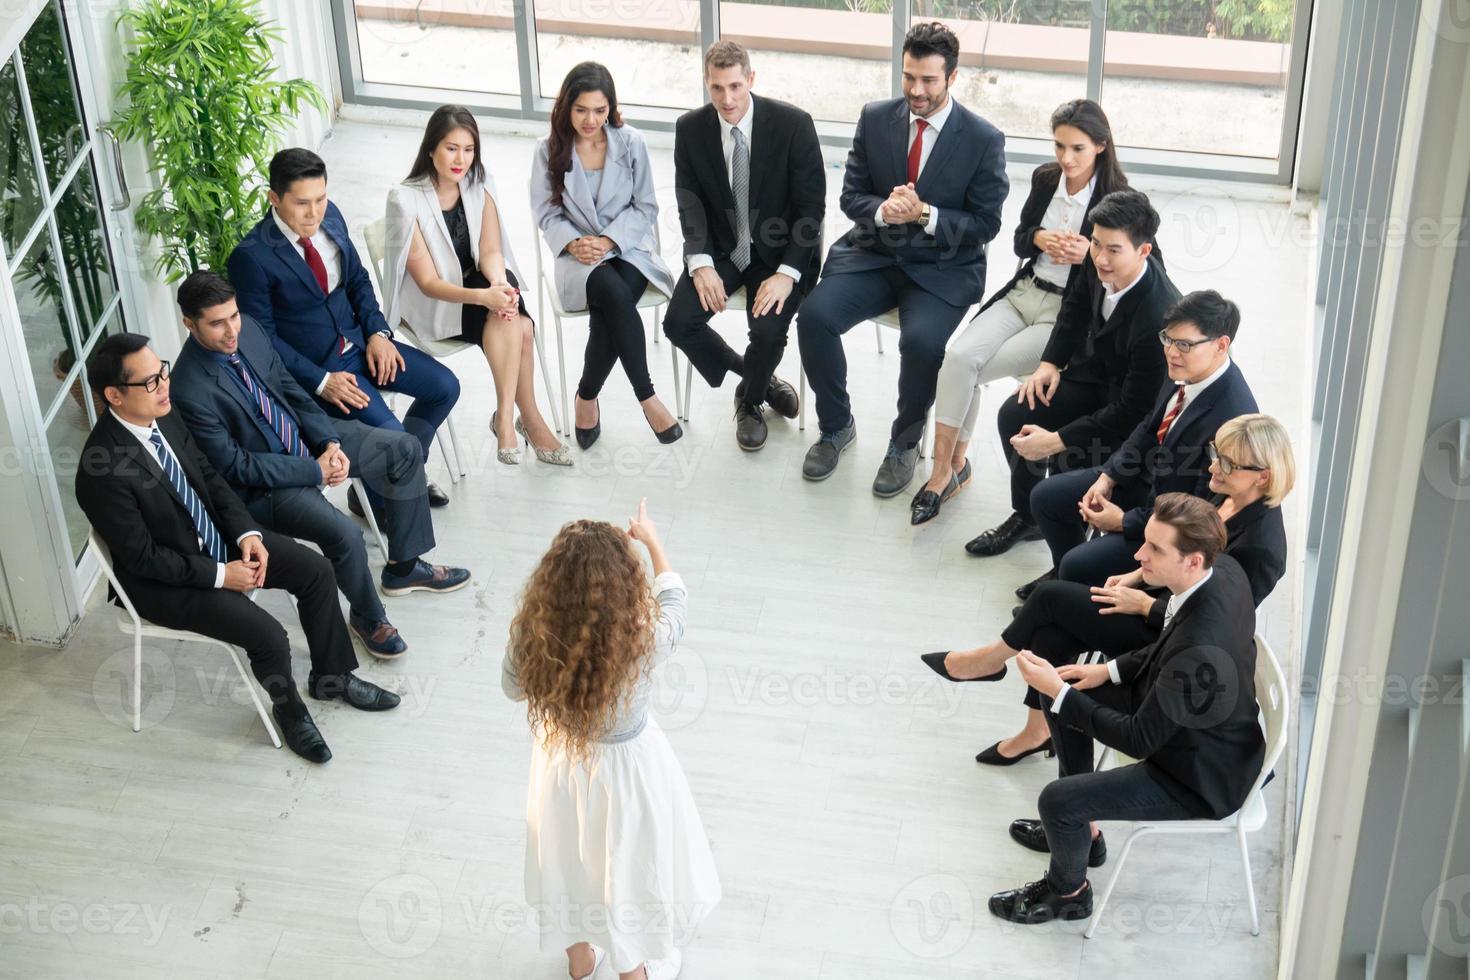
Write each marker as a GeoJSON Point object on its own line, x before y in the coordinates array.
{"type": "Point", "coordinates": [616, 856]}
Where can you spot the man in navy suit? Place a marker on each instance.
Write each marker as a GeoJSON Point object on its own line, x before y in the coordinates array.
{"type": "Point", "coordinates": [266, 436]}
{"type": "Point", "coordinates": [924, 186]}
{"type": "Point", "coordinates": [1168, 452]}
{"type": "Point", "coordinates": [300, 278]}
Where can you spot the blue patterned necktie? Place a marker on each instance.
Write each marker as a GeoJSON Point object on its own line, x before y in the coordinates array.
{"type": "Point", "coordinates": [276, 417]}
{"type": "Point", "coordinates": [212, 543]}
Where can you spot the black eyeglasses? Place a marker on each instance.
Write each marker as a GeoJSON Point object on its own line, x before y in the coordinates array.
{"type": "Point", "coordinates": [1228, 465]}
{"type": "Point", "coordinates": [150, 384]}
{"type": "Point", "coordinates": [1182, 346]}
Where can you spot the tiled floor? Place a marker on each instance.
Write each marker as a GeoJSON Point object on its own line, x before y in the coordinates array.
{"type": "Point", "coordinates": [854, 833]}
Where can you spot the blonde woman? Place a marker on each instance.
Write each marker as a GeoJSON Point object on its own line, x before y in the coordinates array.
{"type": "Point", "coordinates": [615, 851]}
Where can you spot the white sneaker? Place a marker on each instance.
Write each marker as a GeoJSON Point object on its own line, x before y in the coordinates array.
{"type": "Point", "coordinates": [666, 969]}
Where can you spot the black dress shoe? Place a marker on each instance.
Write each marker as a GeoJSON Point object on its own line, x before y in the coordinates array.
{"type": "Point", "coordinates": [437, 497]}
{"type": "Point", "coordinates": [362, 695]}
{"type": "Point", "coordinates": [1037, 903]}
{"type": "Point", "coordinates": [586, 437]}
{"type": "Point", "coordinates": [782, 398]}
{"type": "Point", "coordinates": [936, 663]}
{"type": "Point", "coordinates": [354, 503]}
{"type": "Point", "coordinates": [1024, 592]}
{"type": "Point", "coordinates": [302, 737]}
{"type": "Point", "coordinates": [925, 507]}
{"type": "Point", "coordinates": [750, 427]}
{"type": "Point", "coordinates": [1029, 833]}
{"type": "Point", "coordinates": [998, 540]}
{"type": "Point", "coordinates": [993, 757]}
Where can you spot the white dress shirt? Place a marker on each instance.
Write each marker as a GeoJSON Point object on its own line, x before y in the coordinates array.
{"type": "Point", "coordinates": [1064, 213]}
{"type": "Point", "coordinates": [1111, 299]}
{"type": "Point", "coordinates": [727, 146]}
{"type": "Point", "coordinates": [1175, 601]}
{"type": "Point", "coordinates": [931, 136]}
{"type": "Point", "coordinates": [1191, 391]}
{"type": "Point", "coordinates": [144, 434]}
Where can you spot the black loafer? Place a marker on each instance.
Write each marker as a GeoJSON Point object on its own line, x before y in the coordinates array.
{"type": "Point", "coordinates": [1029, 833]}
{"type": "Point", "coordinates": [302, 736]}
{"type": "Point", "coordinates": [993, 757]}
{"type": "Point", "coordinates": [437, 497]}
{"type": "Point", "coordinates": [362, 695]}
{"type": "Point", "coordinates": [1024, 592]}
{"type": "Point", "coordinates": [750, 427]}
{"type": "Point", "coordinates": [925, 506]}
{"type": "Point", "coordinates": [999, 539]}
{"type": "Point", "coordinates": [782, 398]}
{"type": "Point", "coordinates": [1037, 903]}
{"type": "Point", "coordinates": [936, 663]}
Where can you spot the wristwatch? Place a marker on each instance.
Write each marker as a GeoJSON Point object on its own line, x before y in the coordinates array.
{"type": "Point", "coordinates": [924, 215]}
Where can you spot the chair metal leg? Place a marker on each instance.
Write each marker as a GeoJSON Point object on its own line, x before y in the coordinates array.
{"type": "Point", "coordinates": [678, 389]}
{"type": "Point", "coordinates": [137, 679]}
{"type": "Point", "coordinates": [265, 719]}
{"type": "Point", "coordinates": [801, 401]}
{"type": "Point", "coordinates": [454, 441]}
{"type": "Point", "coordinates": [561, 364]}
{"type": "Point", "coordinates": [688, 385]}
{"type": "Point", "coordinates": [372, 520]}
{"type": "Point", "coordinates": [1250, 885]}
{"type": "Point", "coordinates": [443, 445]}
{"type": "Point", "coordinates": [878, 332]}
{"type": "Point", "coordinates": [556, 416]}
{"type": "Point", "coordinates": [1097, 910]}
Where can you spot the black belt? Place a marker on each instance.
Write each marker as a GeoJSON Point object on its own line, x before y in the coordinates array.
{"type": "Point", "coordinates": [1046, 286]}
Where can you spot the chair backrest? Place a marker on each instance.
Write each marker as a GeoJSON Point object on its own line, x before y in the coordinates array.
{"type": "Point", "coordinates": [1275, 701]}
{"type": "Point", "coordinates": [374, 236]}
{"type": "Point", "coordinates": [104, 560]}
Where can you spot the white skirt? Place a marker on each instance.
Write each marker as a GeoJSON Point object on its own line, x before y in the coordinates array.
{"type": "Point", "coordinates": [615, 851]}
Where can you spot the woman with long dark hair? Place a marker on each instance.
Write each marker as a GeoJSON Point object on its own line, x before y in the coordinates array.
{"type": "Point", "coordinates": [1007, 336]}
{"type": "Point", "coordinates": [450, 273]}
{"type": "Point", "coordinates": [616, 855]}
{"type": "Point", "coordinates": [592, 194]}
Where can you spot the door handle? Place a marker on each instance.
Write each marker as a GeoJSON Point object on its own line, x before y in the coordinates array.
{"type": "Point", "coordinates": [119, 176]}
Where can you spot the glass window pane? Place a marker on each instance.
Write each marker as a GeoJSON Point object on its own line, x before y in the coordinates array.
{"type": "Point", "coordinates": [652, 49]}
{"type": "Point", "coordinates": [1019, 61]}
{"type": "Point", "coordinates": [65, 438]}
{"type": "Point", "coordinates": [53, 94]}
{"type": "Point", "coordinates": [406, 42]}
{"type": "Point", "coordinates": [84, 251]}
{"type": "Point", "coordinates": [20, 189]}
{"type": "Point", "coordinates": [43, 320]}
{"type": "Point", "coordinates": [1221, 68]}
{"type": "Point", "coordinates": [831, 57]}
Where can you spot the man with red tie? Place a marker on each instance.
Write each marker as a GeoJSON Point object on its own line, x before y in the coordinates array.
{"type": "Point", "coordinates": [299, 276]}
{"type": "Point", "coordinates": [924, 187]}
{"type": "Point", "coordinates": [1167, 452]}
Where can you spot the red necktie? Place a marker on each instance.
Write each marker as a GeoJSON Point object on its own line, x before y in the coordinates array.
{"type": "Point", "coordinates": [916, 151]}
{"type": "Point", "coordinates": [1173, 414]}
{"type": "Point", "coordinates": [314, 262]}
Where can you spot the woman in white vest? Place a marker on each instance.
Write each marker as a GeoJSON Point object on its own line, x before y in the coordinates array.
{"type": "Point", "coordinates": [451, 274]}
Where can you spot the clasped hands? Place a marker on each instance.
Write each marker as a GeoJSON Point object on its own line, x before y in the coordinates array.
{"type": "Point", "coordinates": [248, 572]}
{"type": "Point", "coordinates": [902, 206]}
{"type": "Point", "coordinates": [1097, 508]}
{"type": "Point", "coordinates": [590, 249]}
{"type": "Point", "coordinates": [334, 465]}
{"type": "Point", "coordinates": [502, 299]}
{"type": "Point", "coordinates": [1047, 680]}
{"type": "Point", "coordinates": [1063, 247]}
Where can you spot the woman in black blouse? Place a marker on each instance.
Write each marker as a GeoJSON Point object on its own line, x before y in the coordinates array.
{"type": "Point", "coordinates": [1251, 471]}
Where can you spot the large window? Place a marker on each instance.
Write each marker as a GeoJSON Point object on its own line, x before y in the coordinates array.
{"type": "Point", "coordinates": [650, 46]}
{"type": "Point", "coordinates": [462, 47]}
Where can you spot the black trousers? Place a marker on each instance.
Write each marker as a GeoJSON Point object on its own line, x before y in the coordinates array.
{"type": "Point", "coordinates": [839, 303]}
{"type": "Point", "coordinates": [1071, 401]}
{"type": "Point", "coordinates": [686, 324]}
{"type": "Point", "coordinates": [230, 616]}
{"type": "Point", "coordinates": [1054, 509]}
{"type": "Point", "coordinates": [1059, 621]}
{"type": "Point", "coordinates": [615, 330]}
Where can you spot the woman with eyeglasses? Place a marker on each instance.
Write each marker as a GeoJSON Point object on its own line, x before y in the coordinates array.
{"type": "Point", "coordinates": [1252, 469]}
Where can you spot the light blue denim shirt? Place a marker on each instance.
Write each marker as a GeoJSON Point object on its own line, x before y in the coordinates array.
{"type": "Point", "coordinates": [673, 599]}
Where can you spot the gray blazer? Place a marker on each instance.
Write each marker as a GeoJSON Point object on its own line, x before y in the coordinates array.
{"type": "Point", "coordinates": [625, 210]}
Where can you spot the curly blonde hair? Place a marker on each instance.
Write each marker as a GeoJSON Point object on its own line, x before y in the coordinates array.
{"type": "Point", "coordinates": [582, 634]}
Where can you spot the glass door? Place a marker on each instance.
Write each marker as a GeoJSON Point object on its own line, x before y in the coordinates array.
{"type": "Point", "coordinates": [57, 256]}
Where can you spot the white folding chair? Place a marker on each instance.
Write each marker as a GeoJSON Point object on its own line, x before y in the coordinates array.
{"type": "Point", "coordinates": [139, 628]}
{"type": "Point", "coordinates": [1274, 699]}
{"type": "Point", "coordinates": [546, 287]}
{"type": "Point", "coordinates": [368, 515]}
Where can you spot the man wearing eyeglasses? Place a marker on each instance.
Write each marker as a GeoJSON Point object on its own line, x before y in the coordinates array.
{"type": "Point", "coordinates": [1168, 452]}
{"type": "Point", "coordinates": [187, 551]}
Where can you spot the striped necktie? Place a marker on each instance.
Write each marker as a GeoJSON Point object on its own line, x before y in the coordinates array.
{"type": "Point", "coordinates": [740, 186]}
{"type": "Point", "coordinates": [1173, 414]}
{"type": "Point", "coordinates": [275, 416]}
{"type": "Point", "coordinates": [212, 544]}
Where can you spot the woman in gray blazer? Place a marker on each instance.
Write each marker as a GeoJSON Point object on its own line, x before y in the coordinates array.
{"type": "Point", "coordinates": [592, 193]}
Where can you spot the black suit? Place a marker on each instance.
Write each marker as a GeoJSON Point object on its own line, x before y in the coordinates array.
{"type": "Point", "coordinates": [1112, 370]}
{"type": "Point", "coordinates": [158, 561]}
{"type": "Point", "coordinates": [1186, 708]}
{"type": "Point", "coordinates": [787, 202]}
{"type": "Point", "coordinates": [1142, 469]}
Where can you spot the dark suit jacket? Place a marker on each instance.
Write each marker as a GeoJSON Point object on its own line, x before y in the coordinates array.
{"type": "Point", "coordinates": [1123, 353]}
{"type": "Point", "coordinates": [229, 427]}
{"type": "Point", "coordinates": [788, 187]}
{"type": "Point", "coordinates": [128, 501]}
{"type": "Point", "coordinates": [964, 177]}
{"type": "Point", "coordinates": [274, 285]}
{"type": "Point", "coordinates": [1256, 539]}
{"type": "Point", "coordinates": [1181, 464]}
{"type": "Point", "coordinates": [1194, 723]}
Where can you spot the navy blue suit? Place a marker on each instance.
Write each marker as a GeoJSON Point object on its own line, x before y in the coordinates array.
{"type": "Point", "coordinates": [1142, 469]}
{"type": "Point", "coordinates": [276, 288]}
{"type": "Point", "coordinates": [931, 279]}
